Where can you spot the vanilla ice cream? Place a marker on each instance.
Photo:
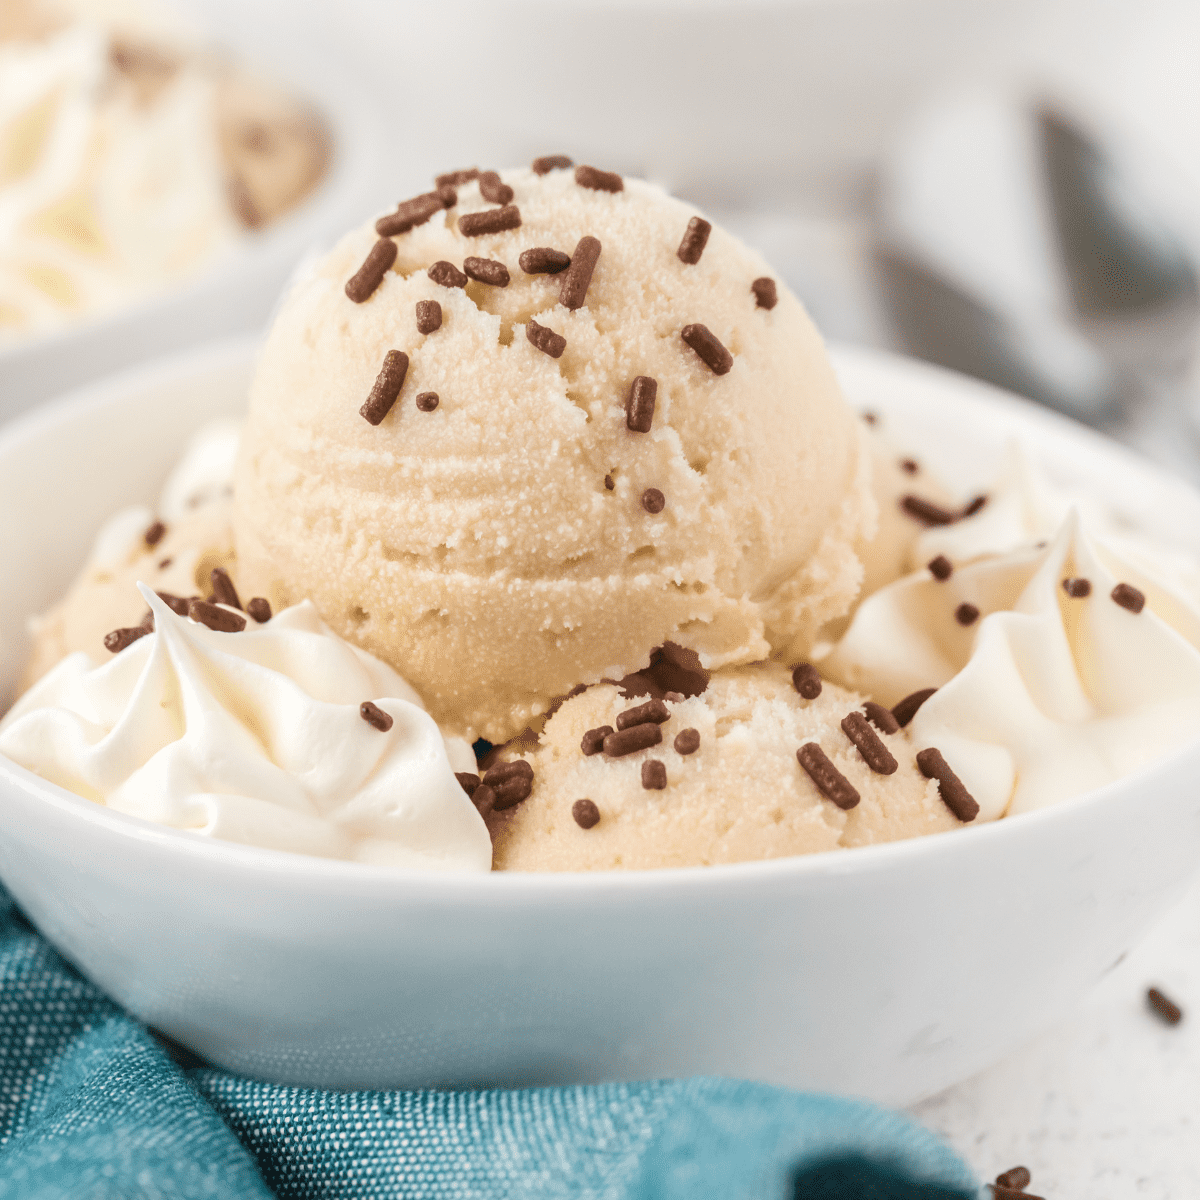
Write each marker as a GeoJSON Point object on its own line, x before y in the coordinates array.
{"type": "Point", "coordinates": [508, 478]}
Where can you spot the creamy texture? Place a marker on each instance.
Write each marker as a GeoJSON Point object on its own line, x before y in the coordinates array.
{"type": "Point", "coordinates": [255, 737]}
{"type": "Point", "coordinates": [739, 797]}
{"type": "Point", "coordinates": [476, 547]}
{"type": "Point", "coordinates": [1045, 696]}
{"type": "Point", "coordinates": [128, 162]}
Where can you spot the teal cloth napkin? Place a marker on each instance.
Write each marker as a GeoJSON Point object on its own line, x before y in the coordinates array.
{"type": "Point", "coordinates": [92, 1107]}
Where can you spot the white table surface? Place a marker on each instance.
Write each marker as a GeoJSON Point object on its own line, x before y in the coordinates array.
{"type": "Point", "coordinates": [1106, 1105]}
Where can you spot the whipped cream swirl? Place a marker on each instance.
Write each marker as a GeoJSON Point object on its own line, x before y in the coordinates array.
{"type": "Point", "coordinates": [255, 737]}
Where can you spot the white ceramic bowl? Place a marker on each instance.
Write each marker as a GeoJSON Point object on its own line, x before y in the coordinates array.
{"type": "Point", "coordinates": [889, 971]}
{"type": "Point", "coordinates": [237, 292]}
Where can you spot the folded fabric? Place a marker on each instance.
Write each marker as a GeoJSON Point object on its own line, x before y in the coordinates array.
{"type": "Point", "coordinates": [91, 1106]}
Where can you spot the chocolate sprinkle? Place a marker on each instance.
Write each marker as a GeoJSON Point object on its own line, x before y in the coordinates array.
{"type": "Point", "coordinates": [386, 387]}
{"type": "Point", "coordinates": [907, 708]}
{"type": "Point", "coordinates": [220, 619]}
{"type": "Point", "coordinates": [974, 506]}
{"type": "Point", "coordinates": [427, 401]}
{"type": "Point", "coordinates": [487, 270]}
{"type": "Point", "coordinates": [875, 754]}
{"type": "Point", "coordinates": [493, 189]}
{"type": "Point", "coordinates": [687, 741]}
{"type": "Point", "coordinates": [447, 274]}
{"type": "Point", "coordinates": [593, 740]}
{"type": "Point", "coordinates": [260, 609]}
{"type": "Point", "coordinates": [362, 284]}
{"type": "Point", "coordinates": [926, 511]}
{"type": "Point", "coordinates": [701, 339]}
{"type": "Point", "coordinates": [177, 604]}
{"type": "Point", "coordinates": [578, 278]}
{"type": "Point", "coordinates": [504, 771]}
{"type": "Point", "coordinates": [491, 220]}
{"type": "Point", "coordinates": [543, 260]}
{"type": "Point", "coordinates": [118, 639]}
{"type": "Point", "coordinates": [831, 783]}
{"type": "Point", "coordinates": [599, 181]}
{"type": "Point", "coordinates": [546, 340]}
{"type": "Point", "coordinates": [454, 178]}
{"type": "Point", "coordinates": [806, 680]}
{"type": "Point", "coordinates": [551, 162]}
{"type": "Point", "coordinates": [954, 795]}
{"type": "Point", "coordinates": [511, 781]}
{"type": "Point", "coordinates": [375, 716]}
{"type": "Point", "coordinates": [882, 718]}
{"type": "Point", "coordinates": [909, 466]}
{"type": "Point", "coordinates": [447, 195]}
{"type": "Point", "coordinates": [653, 501]}
{"type": "Point", "coordinates": [695, 238]}
{"type": "Point", "coordinates": [609, 483]}
{"type": "Point", "coordinates": [1164, 1007]}
{"type": "Point", "coordinates": [223, 591]}
{"type": "Point", "coordinates": [468, 781]}
{"type": "Point", "coordinates": [652, 710]}
{"type": "Point", "coordinates": [411, 213]}
{"type": "Point", "coordinates": [484, 799]}
{"type": "Point", "coordinates": [636, 737]}
{"type": "Point", "coordinates": [1077, 588]}
{"type": "Point", "coordinates": [765, 294]}
{"type": "Point", "coordinates": [1127, 596]}
{"type": "Point", "coordinates": [154, 534]}
{"type": "Point", "coordinates": [941, 568]}
{"type": "Point", "coordinates": [429, 316]}
{"type": "Point", "coordinates": [966, 614]}
{"type": "Point", "coordinates": [586, 814]}
{"type": "Point", "coordinates": [1017, 1178]}
{"type": "Point", "coordinates": [654, 774]}
{"type": "Point", "coordinates": [639, 404]}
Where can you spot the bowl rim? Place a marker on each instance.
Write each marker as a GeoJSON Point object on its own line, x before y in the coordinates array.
{"type": "Point", "coordinates": [342, 874]}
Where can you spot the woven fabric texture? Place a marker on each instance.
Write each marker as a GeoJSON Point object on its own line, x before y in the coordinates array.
{"type": "Point", "coordinates": [91, 1107]}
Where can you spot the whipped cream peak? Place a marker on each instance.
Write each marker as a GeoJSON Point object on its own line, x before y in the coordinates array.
{"type": "Point", "coordinates": [255, 737]}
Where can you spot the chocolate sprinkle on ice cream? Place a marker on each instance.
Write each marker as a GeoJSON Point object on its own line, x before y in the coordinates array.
{"type": "Point", "coordinates": [941, 568]}
{"type": "Point", "coordinates": [695, 238]}
{"type": "Point", "coordinates": [492, 189]}
{"type": "Point", "coordinates": [653, 501]}
{"type": "Point", "coordinates": [586, 813]}
{"type": "Point", "coordinates": [966, 614]}
{"type": "Point", "coordinates": [177, 604]}
{"type": "Point", "coordinates": [593, 740]}
{"type": "Point", "coordinates": [636, 737]}
{"type": "Point", "coordinates": [830, 782]}
{"type": "Point", "coordinates": [974, 506]}
{"type": "Point", "coordinates": [543, 260]}
{"type": "Point", "coordinates": [220, 619]}
{"type": "Point", "coordinates": [511, 781]}
{"type": "Point", "coordinates": [427, 401]}
{"type": "Point", "coordinates": [882, 718]}
{"type": "Point", "coordinates": [1017, 1178]}
{"type": "Point", "coordinates": [223, 591]}
{"type": "Point", "coordinates": [906, 709]}
{"type": "Point", "coordinates": [551, 162]}
{"type": "Point", "coordinates": [375, 716]}
{"type": "Point", "coordinates": [806, 680]}
{"type": "Point", "coordinates": [765, 294]}
{"type": "Point", "coordinates": [652, 710]}
{"type": "Point", "coordinates": [362, 284]}
{"type": "Point", "coordinates": [875, 754]}
{"type": "Point", "coordinates": [154, 534]}
{"type": "Point", "coordinates": [609, 483]}
{"type": "Point", "coordinates": [491, 220]}
{"type": "Point", "coordinates": [260, 609]}
{"type": "Point", "coordinates": [484, 799]}
{"type": "Point", "coordinates": [956, 797]}
{"type": "Point", "coordinates": [639, 404]}
{"type": "Point", "coordinates": [654, 774]}
{"type": "Point", "coordinates": [687, 741]}
{"type": "Point", "coordinates": [926, 511]}
{"type": "Point", "coordinates": [429, 316]}
{"type": "Point", "coordinates": [118, 639]}
{"type": "Point", "coordinates": [599, 181]}
{"type": "Point", "coordinates": [578, 278]}
{"type": "Point", "coordinates": [1077, 588]}
{"type": "Point", "coordinates": [468, 781]}
{"type": "Point", "coordinates": [909, 466]}
{"type": "Point", "coordinates": [487, 270]}
{"type": "Point", "coordinates": [447, 274]}
{"type": "Point", "coordinates": [705, 343]}
{"type": "Point", "coordinates": [1127, 596]}
{"type": "Point", "coordinates": [546, 340]}
{"type": "Point", "coordinates": [454, 178]}
{"type": "Point", "coordinates": [1164, 1007]}
{"type": "Point", "coordinates": [412, 213]}
{"type": "Point", "coordinates": [386, 387]}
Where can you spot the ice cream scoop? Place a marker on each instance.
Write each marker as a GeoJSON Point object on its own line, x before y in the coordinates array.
{"type": "Point", "coordinates": [278, 734]}
{"type": "Point", "coordinates": [507, 475]}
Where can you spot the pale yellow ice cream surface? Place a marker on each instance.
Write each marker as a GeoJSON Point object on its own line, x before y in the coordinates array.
{"type": "Point", "coordinates": [477, 547]}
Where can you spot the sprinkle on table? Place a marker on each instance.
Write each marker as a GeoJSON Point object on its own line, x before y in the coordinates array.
{"type": "Point", "coordinates": [386, 387]}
